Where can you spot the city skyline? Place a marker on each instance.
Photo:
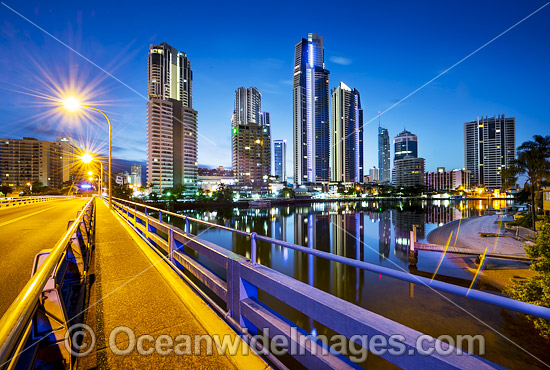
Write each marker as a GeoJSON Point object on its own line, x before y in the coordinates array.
{"type": "Point", "coordinates": [474, 88]}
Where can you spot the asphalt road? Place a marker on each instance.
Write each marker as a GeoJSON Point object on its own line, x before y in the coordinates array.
{"type": "Point", "coordinates": [25, 231]}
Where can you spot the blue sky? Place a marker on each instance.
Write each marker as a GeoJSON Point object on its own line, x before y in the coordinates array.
{"type": "Point", "coordinates": [384, 49]}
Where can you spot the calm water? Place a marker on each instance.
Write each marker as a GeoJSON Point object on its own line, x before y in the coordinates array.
{"type": "Point", "coordinates": [377, 232]}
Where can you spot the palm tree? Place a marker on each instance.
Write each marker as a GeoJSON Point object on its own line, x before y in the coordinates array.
{"type": "Point", "coordinates": [532, 162]}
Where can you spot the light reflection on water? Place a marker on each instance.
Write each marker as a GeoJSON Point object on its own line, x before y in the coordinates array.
{"type": "Point", "coordinates": [376, 232]}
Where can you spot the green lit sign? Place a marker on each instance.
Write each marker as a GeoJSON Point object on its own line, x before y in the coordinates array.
{"type": "Point", "coordinates": [235, 131]}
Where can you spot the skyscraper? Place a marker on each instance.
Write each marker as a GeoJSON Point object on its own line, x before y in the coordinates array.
{"type": "Point", "coordinates": [135, 175]}
{"type": "Point", "coordinates": [311, 112]}
{"type": "Point", "coordinates": [405, 145]}
{"type": "Point", "coordinates": [347, 135]}
{"type": "Point", "coordinates": [489, 147]}
{"type": "Point", "coordinates": [29, 160]}
{"type": "Point", "coordinates": [279, 154]}
{"type": "Point", "coordinates": [384, 155]}
{"type": "Point", "coordinates": [171, 120]}
{"type": "Point", "coordinates": [250, 139]}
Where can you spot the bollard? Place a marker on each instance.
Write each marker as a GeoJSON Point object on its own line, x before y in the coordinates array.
{"type": "Point", "coordinates": [253, 248]}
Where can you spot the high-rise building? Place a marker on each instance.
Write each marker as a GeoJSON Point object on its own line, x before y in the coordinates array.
{"type": "Point", "coordinates": [311, 112]}
{"type": "Point", "coordinates": [409, 172]}
{"type": "Point", "coordinates": [489, 147]}
{"type": "Point", "coordinates": [69, 152]}
{"type": "Point", "coordinates": [171, 120]}
{"type": "Point", "coordinates": [405, 145]}
{"type": "Point", "coordinates": [135, 175]}
{"type": "Point", "coordinates": [28, 160]}
{"type": "Point", "coordinates": [250, 139]}
{"type": "Point", "coordinates": [347, 135]}
{"type": "Point", "coordinates": [447, 180]}
{"type": "Point", "coordinates": [384, 155]}
{"type": "Point", "coordinates": [248, 106]}
{"type": "Point", "coordinates": [279, 163]}
{"type": "Point", "coordinates": [374, 174]}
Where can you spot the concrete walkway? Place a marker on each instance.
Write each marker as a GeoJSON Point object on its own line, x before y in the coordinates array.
{"type": "Point", "coordinates": [469, 238]}
{"type": "Point", "coordinates": [128, 289]}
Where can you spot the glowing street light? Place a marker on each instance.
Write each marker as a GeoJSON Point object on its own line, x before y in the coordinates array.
{"type": "Point", "coordinates": [90, 173]}
{"type": "Point", "coordinates": [88, 158]}
{"type": "Point", "coordinates": [72, 104]}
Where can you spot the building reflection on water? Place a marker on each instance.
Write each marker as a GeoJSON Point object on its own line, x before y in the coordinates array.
{"type": "Point", "coordinates": [352, 229]}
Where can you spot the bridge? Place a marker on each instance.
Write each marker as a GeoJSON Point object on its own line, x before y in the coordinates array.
{"type": "Point", "coordinates": [175, 300]}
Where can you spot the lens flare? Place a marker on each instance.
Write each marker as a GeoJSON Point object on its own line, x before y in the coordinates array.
{"type": "Point", "coordinates": [71, 104]}
{"type": "Point", "coordinates": [87, 158]}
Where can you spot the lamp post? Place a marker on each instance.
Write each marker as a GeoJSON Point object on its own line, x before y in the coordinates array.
{"type": "Point", "coordinates": [87, 158]}
{"type": "Point", "coordinates": [72, 104]}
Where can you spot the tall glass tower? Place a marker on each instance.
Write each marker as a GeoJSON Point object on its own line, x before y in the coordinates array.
{"type": "Point", "coordinates": [171, 121]}
{"type": "Point", "coordinates": [311, 112]}
{"type": "Point", "coordinates": [384, 155]}
{"type": "Point", "coordinates": [406, 145]}
{"type": "Point", "coordinates": [347, 135]}
{"type": "Point", "coordinates": [279, 163]}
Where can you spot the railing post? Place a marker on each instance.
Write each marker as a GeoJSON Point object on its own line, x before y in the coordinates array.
{"type": "Point", "coordinates": [187, 227]}
{"type": "Point", "coordinates": [146, 223]}
{"type": "Point", "coordinates": [413, 253]}
{"type": "Point", "coordinates": [171, 243]}
{"type": "Point", "coordinates": [253, 248]}
{"type": "Point", "coordinates": [160, 216]}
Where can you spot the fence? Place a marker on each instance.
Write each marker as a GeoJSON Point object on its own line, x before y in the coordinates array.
{"type": "Point", "coordinates": [237, 287]}
{"type": "Point", "coordinates": [39, 312]}
{"type": "Point", "coordinates": [12, 202]}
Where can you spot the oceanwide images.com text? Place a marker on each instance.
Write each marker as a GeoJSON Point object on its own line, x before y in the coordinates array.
{"type": "Point", "coordinates": [80, 340]}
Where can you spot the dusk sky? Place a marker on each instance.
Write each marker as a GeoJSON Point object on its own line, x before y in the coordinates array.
{"type": "Point", "coordinates": [386, 50]}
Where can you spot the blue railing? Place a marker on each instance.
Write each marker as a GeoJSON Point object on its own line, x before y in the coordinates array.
{"type": "Point", "coordinates": [244, 277]}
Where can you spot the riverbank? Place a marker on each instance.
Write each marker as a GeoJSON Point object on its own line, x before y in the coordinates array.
{"type": "Point", "coordinates": [498, 273]}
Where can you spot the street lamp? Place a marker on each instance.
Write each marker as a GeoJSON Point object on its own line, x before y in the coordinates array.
{"type": "Point", "coordinates": [72, 104]}
{"type": "Point", "coordinates": [88, 158]}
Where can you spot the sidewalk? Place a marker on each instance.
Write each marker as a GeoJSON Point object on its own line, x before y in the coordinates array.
{"type": "Point", "coordinates": [127, 290]}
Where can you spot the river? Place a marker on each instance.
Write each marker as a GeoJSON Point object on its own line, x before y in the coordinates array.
{"type": "Point", "coordinates": [378, 232]}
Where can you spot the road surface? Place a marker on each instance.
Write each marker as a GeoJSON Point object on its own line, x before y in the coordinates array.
{"type": "Point", "coordinates": [25, 231]}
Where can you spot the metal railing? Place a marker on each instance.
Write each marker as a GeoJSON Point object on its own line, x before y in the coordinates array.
{"type": "Point", "coordinates": [19, 201]}
{"type": "Point", "coordinates": [19, 325]}
{"type": "Point", "coordinates": [244, 277]}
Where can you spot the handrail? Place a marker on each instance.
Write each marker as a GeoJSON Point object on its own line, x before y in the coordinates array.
{"type": "Point", "coordinates": [500, 301]}
{"type": "Point", "coordinates": [17, 317]}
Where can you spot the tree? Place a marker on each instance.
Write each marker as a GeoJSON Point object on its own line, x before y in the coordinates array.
{"type": "Point", "coordinates": [532, 162]}
{"type": "Point", "coordinates": [37, 187]}
{"type": "Point", "coordinates": [536, 290]}
{"type": "Point", "coordinates": [287, 192]}
{"type": "Point", "coordinates": [223, 194]}
{"type": "Point", "coordinates": [122, 192]}
{"type": "Point", "coordinates": [4, 189]}
{"type": "Point", "coordinates": [509, 177]}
